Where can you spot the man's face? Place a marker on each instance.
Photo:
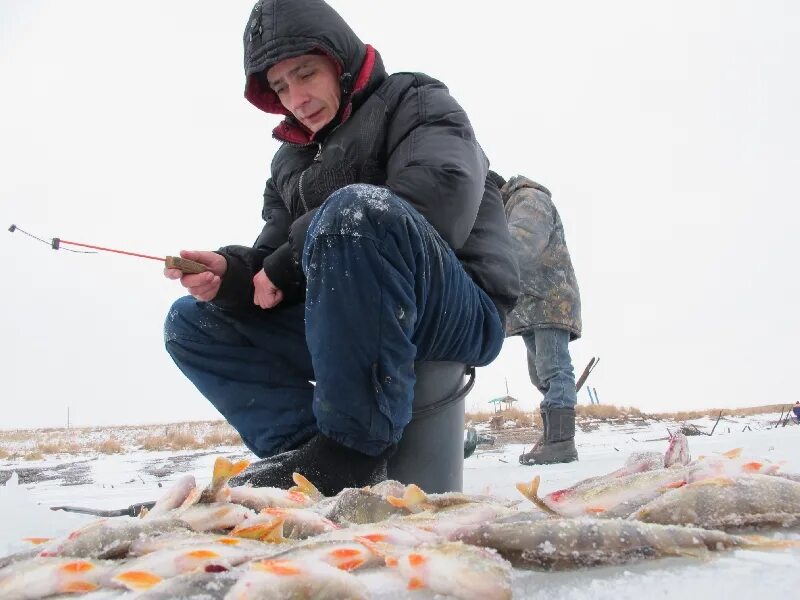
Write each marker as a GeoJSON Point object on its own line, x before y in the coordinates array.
{"type": "Point", "coordinates": [308, 87]}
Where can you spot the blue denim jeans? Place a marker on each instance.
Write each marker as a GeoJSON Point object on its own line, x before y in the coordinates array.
{"type": "Point", "coordinates": [550, 367]}
{"type": "Point", "coordinates": [383, 291]}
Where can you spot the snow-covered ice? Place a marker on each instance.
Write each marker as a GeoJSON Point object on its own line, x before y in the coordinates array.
{"type": "Point", "coordinates": [120, 480]}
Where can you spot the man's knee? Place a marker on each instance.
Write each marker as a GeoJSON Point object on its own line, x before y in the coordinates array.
{"type": "Point", "coordinates": [181, 319]}
{"type": "Point", "coordinates": [358, 210]}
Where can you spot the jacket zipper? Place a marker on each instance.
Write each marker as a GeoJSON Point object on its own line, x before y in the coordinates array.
{"type": "Point", "coordinates": [316, 158]}
{"type": "Point", "coordinates": [303, 174]}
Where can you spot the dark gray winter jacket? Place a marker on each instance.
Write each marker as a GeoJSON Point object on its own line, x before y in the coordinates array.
{"type": "Point", "coordinates": [402, 131]}
{"type": "Point", "coordinates": [550, 296]}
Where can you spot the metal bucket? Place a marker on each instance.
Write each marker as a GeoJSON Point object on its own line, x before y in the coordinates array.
{"type": "Point", "coordinates": [431, 452]}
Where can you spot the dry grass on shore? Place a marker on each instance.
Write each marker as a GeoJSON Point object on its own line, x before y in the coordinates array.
{"type": "Point", "coordinates": [608, 412]}
{"type": "Point", "coordinates": [38, 444]}
{"type": "Point", "coordinates": [688, 415]}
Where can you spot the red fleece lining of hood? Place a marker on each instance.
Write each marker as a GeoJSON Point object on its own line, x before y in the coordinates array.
{"type": "Point", "coordinates": [290, 130]}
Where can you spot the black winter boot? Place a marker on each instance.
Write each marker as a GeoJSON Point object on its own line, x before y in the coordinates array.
{"type": "Point", "coordinates": [557, 445]}
{"type": "Point", "coordinates": [330, 466]}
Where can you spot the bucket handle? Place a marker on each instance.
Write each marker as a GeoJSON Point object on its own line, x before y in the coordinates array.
{"type": "Point", "coordinates": [440, 405]}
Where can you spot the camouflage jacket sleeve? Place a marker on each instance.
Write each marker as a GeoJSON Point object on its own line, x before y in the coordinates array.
{"type": "Point", "coordinates": [531, 221]}
{"type": "Point", "coordinates": [550, 295]}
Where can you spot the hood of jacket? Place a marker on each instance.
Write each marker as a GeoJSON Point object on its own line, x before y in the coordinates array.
{"type": "Point", "coordinates": [517, 182]}
{"type": "Point", "coordinates": [281, 29]}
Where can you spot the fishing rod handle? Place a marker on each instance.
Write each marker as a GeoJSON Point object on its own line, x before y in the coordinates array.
{"type": "Point", "coordinates": [185, 265]}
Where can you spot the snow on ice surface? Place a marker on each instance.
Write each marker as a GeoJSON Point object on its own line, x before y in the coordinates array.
{"type": "Point", "coordinates": [120, 480]}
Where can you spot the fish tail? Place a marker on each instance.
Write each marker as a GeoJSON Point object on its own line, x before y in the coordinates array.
{"type": "Point", "coordinates": [224, 469]}
{"type": "Point", "coordinates": [413, 498]}
{"type": "Point", "coordinates": [304, 486]}
{"type": "Point", "coordinates": [271, 532]}
{"type": "Point", "coordinates": [531, 492]}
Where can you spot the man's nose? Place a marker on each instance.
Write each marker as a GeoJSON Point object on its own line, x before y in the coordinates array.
{"type": "Point", "coordinates": [298, 97]}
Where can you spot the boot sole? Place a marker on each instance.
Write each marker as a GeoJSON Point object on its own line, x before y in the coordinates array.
{"type": "Point", "coordinates": [529, 463]}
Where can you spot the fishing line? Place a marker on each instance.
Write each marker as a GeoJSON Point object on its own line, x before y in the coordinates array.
{"type": "Point", "coordinates": [54, 243]}
{"type": "Point", "coordinates": [172, 262]}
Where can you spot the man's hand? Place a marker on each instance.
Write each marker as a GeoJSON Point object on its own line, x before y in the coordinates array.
{"type": "Point", "coordinates": [266, 294]}
{"type": "Point", "coordinates": [203, 286]}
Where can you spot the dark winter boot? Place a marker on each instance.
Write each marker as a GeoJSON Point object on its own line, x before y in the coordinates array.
{"type": "Point", "coordinates": [523, 458]}
{"type": "Point", "coordinates": [330, 466]}
{"type": "Point", "coordinates": [558, 442]}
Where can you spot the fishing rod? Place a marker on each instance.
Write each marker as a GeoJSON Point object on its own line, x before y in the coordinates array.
{"type": "Point", "coordinates": [134, 510]}
{"type": "Point", "coordinates": [172, 262]}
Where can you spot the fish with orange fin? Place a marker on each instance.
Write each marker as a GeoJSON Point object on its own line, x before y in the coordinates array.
{"type": "Point", "coordinates": [148, 571]}
{"type": "Point", "coordinates": [453, 568]}
{"type": "Point", "coordinates": [224, 470]}
{"type": "Point", "coordinates": [395, 532]}
{"type": "Point", "coordinates": [560, 544]}
{"type": "Point", "coordinates": [43, 577]}
{"type": "Point", "coordinates": [344, 554]}
{"type": "Point", "coordinates": [304, 486]}
{"type": "Point", "coordinates": [216, 516]}
{"type": "Point", "coordinates": [415, 500]}
{"type": "Point", "coordinates": [173, 541]}
{"type": "Point", "coordinates": [357, 506]}
{"type": "Point", "coordinates": [302, 495]}
{"type": "Point", "coordinates": [731, 464]}
{"type": "Point", "coordinates": [724, 502]}
{"type": "Point", "coordinates": [108, 538]}
{"type": "Point", "coordinates": [197, 585]}
{"type": "Point", "coordinates": [295, 523]}
{"type": "Point", "coordinates": [448, 521]}
{"type": "Point", "coordinates": [295, 578]}
{"type": "Point", "coordinates": [172, 498]}
{"type": "Point", "coordinates": [676, 456]}
{"type": "Point", "coordinates": [613, 497]}
{"type": "Point", "coordinates": [217, 489]}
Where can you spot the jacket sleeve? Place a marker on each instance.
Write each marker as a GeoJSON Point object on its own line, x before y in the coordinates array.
{"type": "Point", "coordinates": [284, 265]}
{"type": "Point", "coordinates": [435, 162]}
{"type": "Point", "coordinates": [236, 291]}
{"type": "Point", "coordinates": [531, 224]}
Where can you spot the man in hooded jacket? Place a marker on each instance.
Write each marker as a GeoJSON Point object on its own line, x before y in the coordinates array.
{"type": "Point", "coordinates": [384, 243]}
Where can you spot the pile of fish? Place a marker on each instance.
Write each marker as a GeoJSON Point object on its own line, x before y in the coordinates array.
{"type": "Point", "coordinates": [244, 542]}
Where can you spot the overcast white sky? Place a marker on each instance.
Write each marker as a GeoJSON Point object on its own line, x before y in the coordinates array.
{"type": "Point", "coordinates": [668, 133]}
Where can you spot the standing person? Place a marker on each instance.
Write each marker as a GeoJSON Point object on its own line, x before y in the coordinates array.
{"type": "Point", "coordinates": [547, 315]}
{"type": "Point", "coordinates": [384, 243]}
{"type": "Point", "coordinates": [796, 412]}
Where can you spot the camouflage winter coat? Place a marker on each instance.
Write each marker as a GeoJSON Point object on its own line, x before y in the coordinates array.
{"type": "Point", "coordinates": [550, 297]}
